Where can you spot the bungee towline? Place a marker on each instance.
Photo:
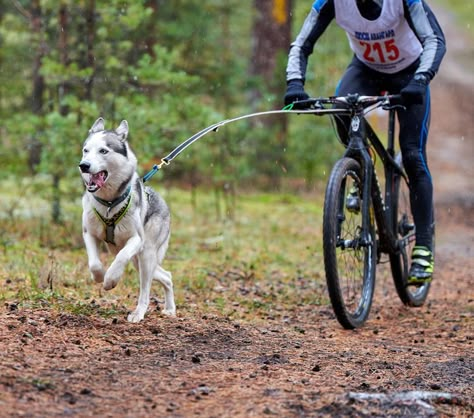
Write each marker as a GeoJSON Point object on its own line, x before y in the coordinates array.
{"type": "Point", "coordinates": [213, 128]}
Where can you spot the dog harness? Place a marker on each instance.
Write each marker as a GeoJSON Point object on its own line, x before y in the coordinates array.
{"type": "Point", "coordinates": [112, 203]}
{"type": "Point", "coordinates": [110, 223]}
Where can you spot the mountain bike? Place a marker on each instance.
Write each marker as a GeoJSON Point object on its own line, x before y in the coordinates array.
{"type": "Point", "coordinates": [355, 236]}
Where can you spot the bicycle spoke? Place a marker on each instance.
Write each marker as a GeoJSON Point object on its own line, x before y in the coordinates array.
{"type": "Point", "coordinates": [349, 255]}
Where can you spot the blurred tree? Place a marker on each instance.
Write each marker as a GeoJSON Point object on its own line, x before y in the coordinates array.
{"type": "Point", "coordinates": [88, 58]}
{"type": "Point", "coordinates": [271, 35]}
{"type": "Point", "coordinates": [98, 63]}
{"type": "Point", "coordinates": [34, 146]}
{"type": "Point", "coordinates": [170, 69]}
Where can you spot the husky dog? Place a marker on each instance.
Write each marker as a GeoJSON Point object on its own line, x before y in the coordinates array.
{"type": "Point", "coordinates": [132, 219]}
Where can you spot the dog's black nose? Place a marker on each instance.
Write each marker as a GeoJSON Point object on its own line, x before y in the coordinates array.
{"type": "Point", "coordinates": [84, 166]}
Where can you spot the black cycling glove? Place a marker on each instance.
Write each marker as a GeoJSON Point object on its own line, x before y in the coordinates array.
{"type": "Point", "coordinates": [295, 91]}
{"type": "Point", "coordinates": [414, 92]}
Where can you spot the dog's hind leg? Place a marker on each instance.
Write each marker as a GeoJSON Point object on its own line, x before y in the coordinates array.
{"type": "Point", "coordinates": [146, 268]}
{"type": "Point", "coordinates": [164, 277]}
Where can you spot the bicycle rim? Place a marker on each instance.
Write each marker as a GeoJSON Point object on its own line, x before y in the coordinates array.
{"type": "Point", "coordinates": [349, 263]}
{"type": "Point", "coordinates": [405, 227]}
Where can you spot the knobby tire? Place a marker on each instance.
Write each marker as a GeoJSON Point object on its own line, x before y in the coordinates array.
{"type": "Point", "coordinates": [349, 264]}
{"type": "Point", "coordinates": [402, 220]}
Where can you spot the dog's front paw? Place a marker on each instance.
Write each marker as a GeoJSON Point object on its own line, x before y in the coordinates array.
{"type": "Point", "coordinates": [97, 273]}
{"type": "Point", "coordinates": [137, 315]}
{"type": "Point", "coordinates": [109, 284]}
{"type": "Point", "coordinates": [112, 277]}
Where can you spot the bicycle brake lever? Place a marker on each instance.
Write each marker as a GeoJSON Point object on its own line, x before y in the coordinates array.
{"type": "Point", "coordinates": [307, 104]}
{"type": "Point", "coordinates": [392, 107]}
{"type": "Point", "coordinates": [318, 105]}
{"type": "Point", "coordinates": [394, 102]}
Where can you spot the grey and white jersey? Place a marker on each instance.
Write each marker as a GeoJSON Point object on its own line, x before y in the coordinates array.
{"type": "Point", "coordinates": [419, 17]}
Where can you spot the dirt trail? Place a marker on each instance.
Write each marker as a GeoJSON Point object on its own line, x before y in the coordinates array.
{"type": "Point", "coordinates": [404, 362]}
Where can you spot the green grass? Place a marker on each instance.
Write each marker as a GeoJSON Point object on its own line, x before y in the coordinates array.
{"type": "Point", "coordinates": [255, 255]}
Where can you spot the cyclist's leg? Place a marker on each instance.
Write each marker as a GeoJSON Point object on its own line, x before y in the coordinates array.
{"type": "Point", "coordinates": [414, 126]}
{"type": "Point", "coordinates": [361, 80]}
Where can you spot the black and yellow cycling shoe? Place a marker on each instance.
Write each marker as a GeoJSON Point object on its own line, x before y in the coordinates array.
{"type": "Point", "coordinates": [422, 266]}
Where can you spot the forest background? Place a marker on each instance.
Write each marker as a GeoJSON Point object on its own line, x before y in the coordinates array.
{"type": "Point", "coordinates": [170, 69]}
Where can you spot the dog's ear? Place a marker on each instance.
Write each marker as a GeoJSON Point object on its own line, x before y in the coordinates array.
{"type": "Point", "coordinates": [122, 130]}
{"type": "Point", "coordinates": [99, 125]}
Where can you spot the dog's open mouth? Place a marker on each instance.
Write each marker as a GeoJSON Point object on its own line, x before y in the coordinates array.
{"type": "Point", "coordinates": [96, 181]}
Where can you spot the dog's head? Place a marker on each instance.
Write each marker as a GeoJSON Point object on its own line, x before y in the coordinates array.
{"type": "Point", "coordinates": [107, 160]}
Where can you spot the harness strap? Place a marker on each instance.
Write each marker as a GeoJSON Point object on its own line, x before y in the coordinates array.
{"type": "Point", "coordinates": [110, 223]}
{"type": "Point", "coordinates": [115, 202]}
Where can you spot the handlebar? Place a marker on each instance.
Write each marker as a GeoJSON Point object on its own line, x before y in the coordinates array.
{"type": "Point", "coordinates": [353, 102]}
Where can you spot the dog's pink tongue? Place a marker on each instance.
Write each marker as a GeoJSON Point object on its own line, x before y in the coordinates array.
{"type": "Point", "coordinates": [98, 179]}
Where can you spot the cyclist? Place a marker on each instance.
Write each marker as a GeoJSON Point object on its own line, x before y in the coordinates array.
{"type": "Point", "coordinates": [398, 46]}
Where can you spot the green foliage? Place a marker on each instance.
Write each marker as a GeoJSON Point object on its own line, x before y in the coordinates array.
{"type": "Point", "coordinates": [170, 72]}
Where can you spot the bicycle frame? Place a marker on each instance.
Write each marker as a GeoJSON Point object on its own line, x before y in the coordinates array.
{"type": "Point", "coordinates": [387, 232]}
{"type": "Point", "coordinates": [361, 137]}
{"type": "Point", "coordinates": [354, 237]}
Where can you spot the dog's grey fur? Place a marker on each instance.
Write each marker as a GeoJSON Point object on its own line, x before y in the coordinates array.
{"type": "Point", "coordinates": [108, 168]}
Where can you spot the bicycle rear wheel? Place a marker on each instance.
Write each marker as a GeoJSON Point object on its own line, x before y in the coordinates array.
{"type": "Point", "coordinates": [349, 257]}
{"type": "Point", "coordinates": [405, 227]}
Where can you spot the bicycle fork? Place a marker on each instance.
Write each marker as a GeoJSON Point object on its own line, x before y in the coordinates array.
{"type": "Point", "coordinates": [357, 150]}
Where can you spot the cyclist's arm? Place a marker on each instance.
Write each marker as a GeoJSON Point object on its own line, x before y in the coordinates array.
{"type": "Point", "coordinates": [318, 19]}
{"type": "Point", "coordinates": [425, 26]}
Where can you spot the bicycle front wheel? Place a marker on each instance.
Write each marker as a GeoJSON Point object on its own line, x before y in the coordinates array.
{"type": "Point", "coordinates": [404, 226]}
{"type": "Point", "coordinates": [350, 256]}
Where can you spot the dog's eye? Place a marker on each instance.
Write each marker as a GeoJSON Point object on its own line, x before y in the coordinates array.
{"type": "Point", "coordinates": [103, 151]}
{"type": "Point", "coordinates": [85, 150]}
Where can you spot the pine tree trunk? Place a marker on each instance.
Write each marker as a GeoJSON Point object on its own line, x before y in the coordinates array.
{"type": "Point", "coordinates": [90, 36]}
{"type": "Point", "coordinates": [56, 200]}
{"type": "Point", "coordinates": [271, 40]}
{"type": "Point", "coordinates": [34, 145]}
{"type": "Point", "coordinates": [63, 55]}
{"type": "Point", "coordinates": [150, 39]}
{"type": "Point", "coordinates": [63, 108]}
